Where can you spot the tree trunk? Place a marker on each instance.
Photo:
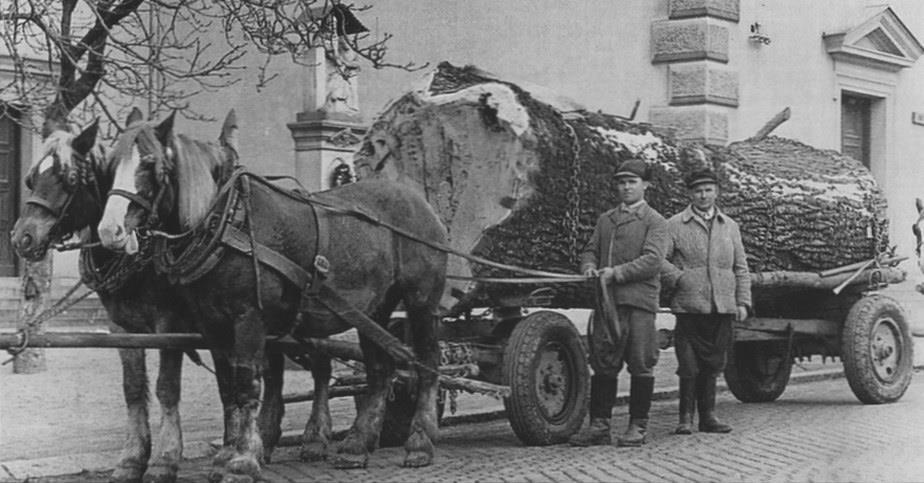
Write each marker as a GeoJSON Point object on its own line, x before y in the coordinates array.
{"type": "Point", "coordinates": [520, 176]}
{"type": "Point", "coordinates": [36, 291]}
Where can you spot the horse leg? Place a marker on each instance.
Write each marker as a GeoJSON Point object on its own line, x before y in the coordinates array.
{"type": "Point", "coordinates": [273, 409]}
{"type": "Point", "coordinates": [168, 448]}
{"type": "Point", "coordinates": [362, 438]}
{"type": "Point", "coordinates": [245, 385]}
{"type": "Point", "coordinates": [424, 426]}
{"type": "Point", "coordinates": [223, 377]}
{"type": "Point", "coordinates": [316, 437]}
{"type": "Point", "coordinates": [136, 450]}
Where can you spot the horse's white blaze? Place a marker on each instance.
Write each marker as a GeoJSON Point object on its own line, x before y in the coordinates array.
{"type": "Point", "coordinates": [46, 163]}
{"type": "Point", "coordinates": [111, 227]}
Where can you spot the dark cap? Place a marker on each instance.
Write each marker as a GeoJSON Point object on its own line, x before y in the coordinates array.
{"type": "Point", "coordinates": [701, 176]}
{"type": "Point", "coordinates": [634, 168]}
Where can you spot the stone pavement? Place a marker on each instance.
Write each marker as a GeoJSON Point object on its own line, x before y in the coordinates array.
{"type": "Point", "coordinates": [815, 432]}
{"type": "Point", "coordinates": [71, 417]}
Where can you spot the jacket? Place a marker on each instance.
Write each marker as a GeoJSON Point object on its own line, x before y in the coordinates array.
{"type": "Point", "coordinates": [706, 268]}
{"type": "Point", "coordinates": [633, 243]}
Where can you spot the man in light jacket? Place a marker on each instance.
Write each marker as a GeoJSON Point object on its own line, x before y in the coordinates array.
{"type": "Point", "coordinates": [626, 250]}
{"type": "Point", "coordinates": [707, 271]}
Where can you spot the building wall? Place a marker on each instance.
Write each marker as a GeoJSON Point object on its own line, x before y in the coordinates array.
{"type": "Point", "coordinates": [599, 52]}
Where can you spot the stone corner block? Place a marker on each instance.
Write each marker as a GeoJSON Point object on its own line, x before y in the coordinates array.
{"type": "Point", "coordinates": [702, 83]}
{"type": "Point", "coordinates": [699, 124]}
{"type": "Point", "coordinates": [691, 39]}
{"type": "Point", "coordinates": [720, 9]}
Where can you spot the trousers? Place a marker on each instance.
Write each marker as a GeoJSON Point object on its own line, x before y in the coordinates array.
{"type": "Point", "coordinates": [701, 343]}
{"type": "Point", "coordinates": [636, 346]}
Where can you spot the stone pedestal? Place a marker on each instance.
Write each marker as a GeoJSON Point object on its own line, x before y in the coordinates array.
{"type": "Point", "coordinates": [322, 142]}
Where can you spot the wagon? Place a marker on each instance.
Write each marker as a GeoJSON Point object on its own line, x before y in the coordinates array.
{"type": "Point", "coordinates": [834, 313]}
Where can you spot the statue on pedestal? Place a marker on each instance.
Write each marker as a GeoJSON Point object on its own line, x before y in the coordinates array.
{"type": "Point", "coordinates": [342, 68]}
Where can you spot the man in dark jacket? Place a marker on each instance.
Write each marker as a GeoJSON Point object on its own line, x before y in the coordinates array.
{"type": "Point", "coordinates": [626, 250]}
{"type": "Point", "coordinates": [707, 270]}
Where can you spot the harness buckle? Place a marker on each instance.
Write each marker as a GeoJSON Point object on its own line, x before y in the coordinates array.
{"type": "Point", "coordinates": [321, 265]}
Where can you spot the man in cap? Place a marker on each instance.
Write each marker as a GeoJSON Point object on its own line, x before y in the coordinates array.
{"type": "Point", "coordinates": [626, 250]}
{"type": "Point", "coordinates": [707, 270]}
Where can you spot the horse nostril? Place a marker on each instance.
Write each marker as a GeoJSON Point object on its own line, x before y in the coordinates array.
{"type": "Point", "coordinates": [118, 230]}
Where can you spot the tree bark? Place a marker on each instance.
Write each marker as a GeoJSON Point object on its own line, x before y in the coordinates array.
{"type": "Point", "coordinates": [36, 291]}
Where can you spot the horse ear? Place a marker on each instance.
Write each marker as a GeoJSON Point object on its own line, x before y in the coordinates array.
{"type": "Point", "coordinates": [85, 140]}
{"type": "Point", "coordinates": [919, 205]}
{"type": "Point", "coordinates": [165, 128]}
{"type": "Point", "coordinates": [228, 136]}
{"type": "Point", "coordinates": [134, 117]}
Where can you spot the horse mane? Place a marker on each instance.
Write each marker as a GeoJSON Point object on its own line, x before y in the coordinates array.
{"type": "Point", "coordinates": [58, 142]}
{"type": "Point", "coordinates": [200, 168]}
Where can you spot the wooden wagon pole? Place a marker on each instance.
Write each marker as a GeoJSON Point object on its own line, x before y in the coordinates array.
{"type": "Point", "coordinates": [772, 124]}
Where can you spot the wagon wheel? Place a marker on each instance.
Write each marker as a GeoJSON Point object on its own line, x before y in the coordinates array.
{"type": "Point", "coordinates": [546, 368]}
{"type": "Point", "coordinates": [876, 349]}
{"type": "Point", "coordinates": [758, 371]}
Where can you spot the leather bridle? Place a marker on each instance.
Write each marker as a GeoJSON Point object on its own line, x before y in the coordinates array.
{"type": "Point", "coordinates": [63, 211]}
{"type": "Point", "coordinates": [153, 217]}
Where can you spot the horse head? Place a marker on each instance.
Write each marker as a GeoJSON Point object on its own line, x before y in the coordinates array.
{"type": "Point", "coordinates": [66, 183]}
{"type": "Point", "coordinates": [162, 180]}
{"type": "Point", "coordinates": [917, 228]}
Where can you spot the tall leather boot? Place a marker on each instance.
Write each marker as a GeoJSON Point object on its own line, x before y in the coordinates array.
{"type": "Point", "coordinates": [705, 392]}
{"type": "Point", "coordinates": [602, 399]}
{"type": "Point", "coordinates": [640, 393]}
{"type": "Point", "coordinates": [687, 405]}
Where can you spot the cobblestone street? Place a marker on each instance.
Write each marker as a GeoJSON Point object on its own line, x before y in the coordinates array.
{"type": "Point", "coordinates": [816, 431]}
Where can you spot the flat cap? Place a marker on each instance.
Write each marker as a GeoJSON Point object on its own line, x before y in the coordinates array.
{"type": "Point", "coordinates": [635, 168]}
{"type": "Point", "coordinates": [701, 176]}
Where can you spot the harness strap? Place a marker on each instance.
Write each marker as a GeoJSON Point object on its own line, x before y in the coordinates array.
{"type": "Point", "coordinates": [133, 197]}
{"type": "Point", "coordinates": [330, 299]}
{"type": "Point", "coordinates": [240, 241]}
{"type": "Point", "coordinates": [324, 295]}
{"type": "Point", "coordinates": [34, 200]}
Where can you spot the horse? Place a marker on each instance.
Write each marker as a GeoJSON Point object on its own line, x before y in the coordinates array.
{"type": "Point", "coordinates": [68, 183]}
{"type": "Point", "coordinates": [361, 249]}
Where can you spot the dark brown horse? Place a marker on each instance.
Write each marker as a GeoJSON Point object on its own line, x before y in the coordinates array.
{"type": "Point", "coordinates": [239, 301]}
{"type": "Point", "coordinates": [68, 183]}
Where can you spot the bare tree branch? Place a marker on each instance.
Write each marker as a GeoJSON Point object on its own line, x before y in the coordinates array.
{"type": "Point", "coordinates": [104, 51]}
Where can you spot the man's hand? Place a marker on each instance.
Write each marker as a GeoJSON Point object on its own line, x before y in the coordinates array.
{"type": "Point", "coordinates": [742, 313]}
{"type": "Point", "coordinates": [607, 273]}
{"type": "Point", "coordinates": [591, 272]}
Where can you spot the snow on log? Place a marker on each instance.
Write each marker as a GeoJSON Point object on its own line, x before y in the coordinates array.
{"type": "Point", "coordinates": [520, 176]}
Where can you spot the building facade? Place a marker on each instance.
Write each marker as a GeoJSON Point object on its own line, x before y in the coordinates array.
{"type": "Point", "coordinates": [714, 70]}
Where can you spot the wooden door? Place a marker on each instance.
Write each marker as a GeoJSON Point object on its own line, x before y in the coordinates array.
{"type": "Point", "coordinates": [9, 189]}
{"type": "Point", "coordinates": [855, 127]}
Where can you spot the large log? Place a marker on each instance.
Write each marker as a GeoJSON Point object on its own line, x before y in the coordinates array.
{"type": "Point", "coordinates": [520, 176]}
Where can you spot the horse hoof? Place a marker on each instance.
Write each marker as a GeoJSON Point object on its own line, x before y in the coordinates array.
{"type": "Point", "coordinates": [216, 476]}
{"type": "Point", "coordinates": [127, 473]}
{"type": "Point", "coordinates": [345, 461]}
{"type": "Point", "coordinates": [417, 459]}
{"type": "Point", "coordinates": [243, 466]}
{"type": "Point", "coordinates": [312, 452]}
{"type": "Point", "coordinates": [160, 474]}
